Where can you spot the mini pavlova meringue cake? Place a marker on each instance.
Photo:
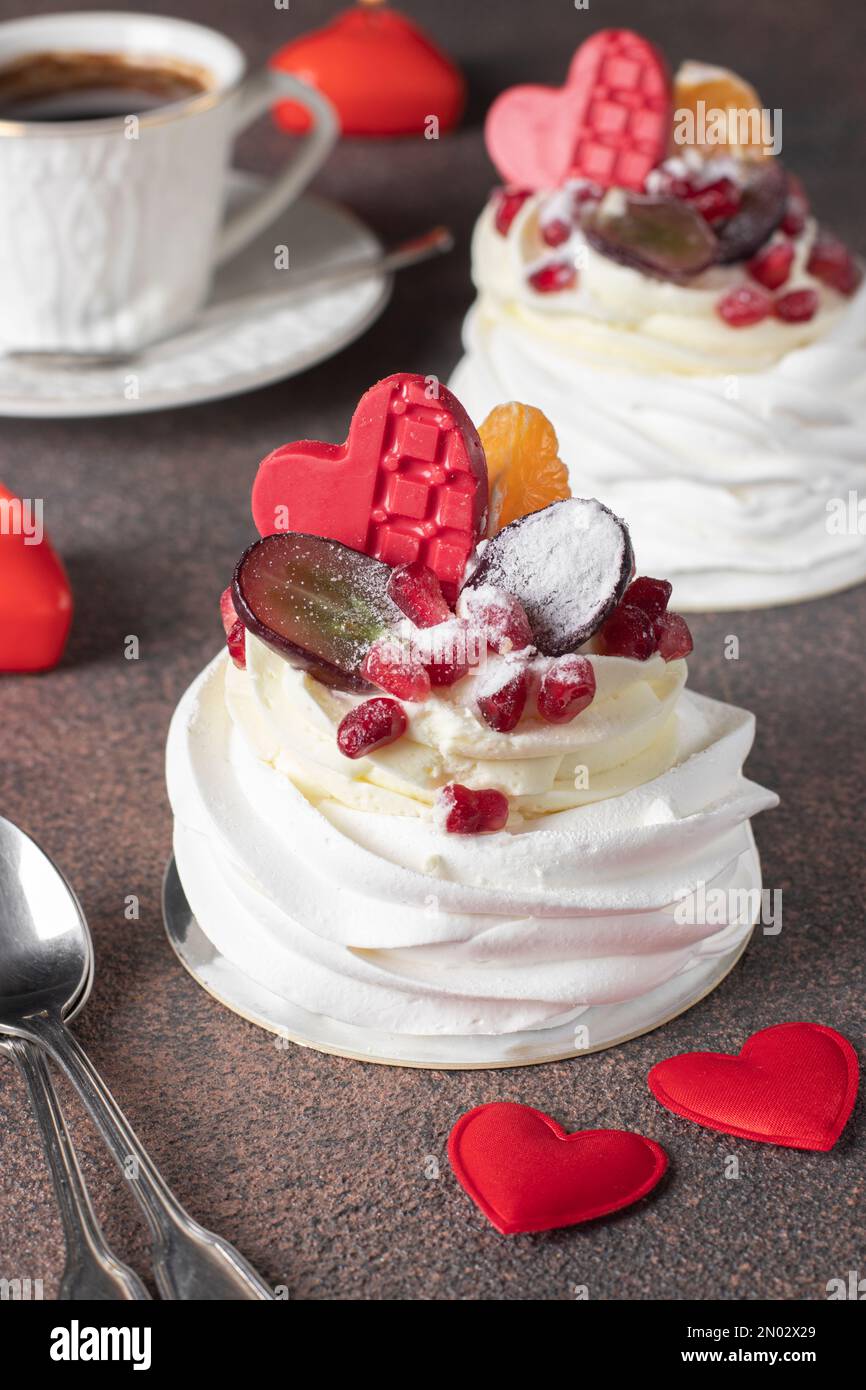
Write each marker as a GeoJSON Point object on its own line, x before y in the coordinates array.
{"type": "Point", "coordinates": [445, 795]}
{"type": "Point", "coordinates": [654, 279]}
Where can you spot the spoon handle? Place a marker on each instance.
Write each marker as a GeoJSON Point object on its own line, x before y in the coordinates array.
{"type": "Point", "coordinates": [91, 1270]}
{"type": "Point", "coordinates": [437, 242]}
{"type": "Point", "coordinates": [188, 1261]}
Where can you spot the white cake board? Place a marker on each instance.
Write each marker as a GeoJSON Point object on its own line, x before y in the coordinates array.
{"type": "Point", "coordinates": [606, 1024]}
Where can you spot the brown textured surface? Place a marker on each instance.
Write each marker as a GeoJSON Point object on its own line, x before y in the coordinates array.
{"type": "Point", "coordinates": [316, 1167]}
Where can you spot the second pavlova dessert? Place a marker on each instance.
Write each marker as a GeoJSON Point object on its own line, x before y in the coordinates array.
{"type": "Point", "coordinates": [656, 280]}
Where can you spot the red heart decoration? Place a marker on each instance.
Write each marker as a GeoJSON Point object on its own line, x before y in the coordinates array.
{"type": "Point", "coordinates": [410, 482]}
{"type": "Point", "coordinates": [35, 597]}
{"type": "Point", "coordinates": [794, 1084]}
{"type": "Point", "coordinates": [526, 1174]}
{"type": "Point", "coordinates": [609, 123]}
{"type": "Point", "coordinates": [346, 59]}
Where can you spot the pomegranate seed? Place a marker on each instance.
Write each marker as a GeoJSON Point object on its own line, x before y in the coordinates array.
{"type": "Point", "coordinates": [555, 232]}
{"type": "Point", "coordinates": [566, 689]}
{"type": "Point", "coordinates": [371, 725]}
{"type": "Point", "coordinates": [587, 192]}
{"type": "Point", "coordinates": [742, 307]}
{"type": "Point", "coordinates": [447, 650]}
{"type": "Point", "coordinates": [237, 644]}
{"type": "Point", "coordinates": [466, 812]}
{"type": "Point", "coordinates": [772, 266]}
{"type": "Point", "coordinates": [797, 209]}
{"type": "Point", "coordinates": [678, 188]}
{"type": "Point", "coordinates": [509, 201]}
{"type": "Point", "coordinates": [716, 201]}
{"type": "Point", "coordinates": [558, 275]}
{"type": "Point", "coordinates": [500, 617]}
{"type": "Point", "coordinates": [234, 630]}
{"type": "Point", "coordinates": [395, 670]}
{"type": "Point", "coordinates": [650, 595]}
{"type": "Point", "coordinates": [417, 592]}
{"type": "Point", "coordinates": [446, 672]}
{"type": "Point", "coordinates": [831, 262]}
{"type": "Point", "coordinates": [501, 699]}
{"type": "Point", "coordinates": [629, 632]}
{"type": "Point", "coordinates": [227, 610]}
{"type": "Point", "coordinates": [665, 183]}
{"type": "Point", "coordinates": [797, 306]}
{"type": "Point", "coordinates": [673, 637]}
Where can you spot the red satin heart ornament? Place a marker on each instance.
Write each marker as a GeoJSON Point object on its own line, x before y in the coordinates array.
{"type": "Point", "coordinates": [526, 1174]}
{"type": "Point", "coordinates": [35, 597]}
{"type": "Point", "coordinates": [794, 1084]}
{"type": "Point", "coordinates": [609, 123]}
{"type": "Point", "coordinates": [410, 482]}
{"type": "Point", "coordinates": [346, 59]}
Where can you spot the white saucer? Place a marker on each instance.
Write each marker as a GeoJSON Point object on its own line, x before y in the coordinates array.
{"type": "Point", "coordinates": [230, 358]}
{"type": "Point", "coordinates": [606, 1024]}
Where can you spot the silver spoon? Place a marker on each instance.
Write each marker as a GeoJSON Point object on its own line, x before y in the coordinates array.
{"type": "Point", "coordinates": [46, 958]}
{"type": "Point", "coordinates": [91, 1270]}
{"type": "Point", "coordinates": [297, 286]}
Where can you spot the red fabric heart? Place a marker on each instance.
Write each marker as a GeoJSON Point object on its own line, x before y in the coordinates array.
{"type": "Point", "coordinates": [346, 60]}
{"type": "Point", "coordinates": [35, 597]}
{"type": "Point", "coordinates": [410, 482]}
{"type": "Point", "coordinates": [609, 123]}
{"type": "Point", "coordinates": [794, 1084]}
{"type": "Point", "coordinates": [526, 1174]}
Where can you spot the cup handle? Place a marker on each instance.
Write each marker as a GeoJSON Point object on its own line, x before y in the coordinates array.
{"type": "Point", "coordinates": [256, 95]}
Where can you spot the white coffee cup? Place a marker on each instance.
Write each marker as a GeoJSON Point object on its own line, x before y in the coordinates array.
{"type": "Point", "coordinates": [110, 228]}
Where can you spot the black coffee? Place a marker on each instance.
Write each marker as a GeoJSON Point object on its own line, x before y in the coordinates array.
{"type": "Point", "coordinates": [91, 86]}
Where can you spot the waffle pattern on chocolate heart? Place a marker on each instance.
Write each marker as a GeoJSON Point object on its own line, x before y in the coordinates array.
{"type": "Point", "coordinates": [410, 482]}
{"type": "Point", "coordinates": [609, 122]}
{"type": "Point", "coordinates": [625, 121]}
{"type": "Point", "coordinates": [425, 490]}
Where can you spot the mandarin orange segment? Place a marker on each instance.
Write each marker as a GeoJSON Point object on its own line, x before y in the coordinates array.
{"type": "Point", "coordinates": [720, 90]}
{"type": "Point", "coordinates": [523, 463]}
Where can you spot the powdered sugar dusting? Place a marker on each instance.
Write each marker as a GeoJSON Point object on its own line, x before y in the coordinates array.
{"type": "Point", "coordinates": [500, 616]}
{"type": "Point", "coordinates": [568, 565]}
{"type": "Point", "coordinates": [497, 673]}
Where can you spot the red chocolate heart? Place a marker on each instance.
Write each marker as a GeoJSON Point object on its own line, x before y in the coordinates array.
{"type": "Point", "coordinates": [794, 1085]}
{"type": "Point", "coordinates": [410, 482]}
{"type": "Point", "coordinates": [526, 1174]}
{"type": "Point", "coordinates": [35, 597]}
{"type": "Point", "coordinates": [609, 123]}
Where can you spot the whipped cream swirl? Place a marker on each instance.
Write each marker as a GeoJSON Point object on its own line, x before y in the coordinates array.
{"type": "Point", "coordinates": [331, 882]}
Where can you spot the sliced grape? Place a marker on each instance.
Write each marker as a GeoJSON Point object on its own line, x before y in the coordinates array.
{"type": "Point", "coordinates": [764, 199]}
{"type": "Point", "coordinates": [316, 602]}
{"type": "Point", "coordinates": [660, 236]}
{"type": "Point", "coordinates": [569, 566]}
